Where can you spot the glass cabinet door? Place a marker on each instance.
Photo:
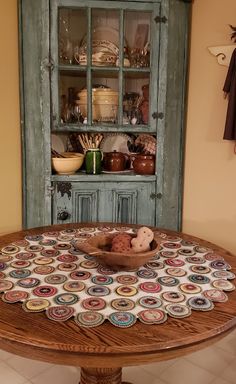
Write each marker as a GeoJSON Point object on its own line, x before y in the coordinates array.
{"type": "Point", "coordinates": [105, 58]}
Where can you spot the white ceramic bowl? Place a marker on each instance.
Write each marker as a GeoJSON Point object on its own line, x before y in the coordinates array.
{"type": "Point", "coordinates": [69, 164]}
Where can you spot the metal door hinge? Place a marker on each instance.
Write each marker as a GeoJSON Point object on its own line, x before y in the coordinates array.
{"type": "Point", "coordinates": [160, 19]}
{"type": "Point", "coordinates": [54, 122]}
{"type": "Point", "coordinates": [64, 188]}
{"type": "Point", "coordinates": [50, 191]}
{"type": "Point", "coordinates": [156, 195]}
{"type": "Point", "coordinates": [158, 115]}
{"type": "Point", "coordinates": [48, 64]}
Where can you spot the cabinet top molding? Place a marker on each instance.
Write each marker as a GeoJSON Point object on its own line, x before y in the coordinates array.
{"type": "Point", "coordinates": [223, 53]}
{"type": "Point", "coordinates": [148, 1]}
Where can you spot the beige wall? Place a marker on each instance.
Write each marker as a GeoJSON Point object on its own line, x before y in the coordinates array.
{"type": "Point", "coordinates": [210, 165]}
{"type": "Point", "coordinates": [10, 149]}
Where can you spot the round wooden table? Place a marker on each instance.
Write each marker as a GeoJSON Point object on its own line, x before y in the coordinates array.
{"type": "Point", "coordinates": [101, 352]}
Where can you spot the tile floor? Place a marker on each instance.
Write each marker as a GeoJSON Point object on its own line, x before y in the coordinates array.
{"type": "Point", "coordinates": [213, 365]}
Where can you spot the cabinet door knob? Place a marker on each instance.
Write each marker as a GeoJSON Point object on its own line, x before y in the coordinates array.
{"type": "Point", "coordinates": [63, 215]}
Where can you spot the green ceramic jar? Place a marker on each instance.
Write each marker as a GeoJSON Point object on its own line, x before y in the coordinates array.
{"type": "Point", "coordinates": [93, 161]}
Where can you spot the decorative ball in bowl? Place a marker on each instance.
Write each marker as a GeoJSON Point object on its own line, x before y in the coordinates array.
{"type": "Point", "coordinates": [68, 164]}
{"type": "Point", "coordinates": [103, 248]}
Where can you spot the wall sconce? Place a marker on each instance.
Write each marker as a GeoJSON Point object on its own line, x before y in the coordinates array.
{"type": "Point", "coordinates": [223, 53]}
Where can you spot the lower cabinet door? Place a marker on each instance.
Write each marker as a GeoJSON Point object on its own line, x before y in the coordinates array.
{"type": "Point", "coordinates": [119, 202]}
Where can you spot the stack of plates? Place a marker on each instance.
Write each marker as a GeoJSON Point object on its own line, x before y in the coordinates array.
{"type": "Point", "coordinates": [105, 51]}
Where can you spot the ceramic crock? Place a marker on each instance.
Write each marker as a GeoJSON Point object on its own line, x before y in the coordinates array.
{"type": "Point", "coordinates": [104, 103]}
{"type": "Point", "coordinates": [144, 164]}
{"type": "Point", "coordinates": [114, 161]}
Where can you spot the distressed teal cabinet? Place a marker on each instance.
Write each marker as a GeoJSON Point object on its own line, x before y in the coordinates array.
{"type": "Point", "coordinates": [104, 201]}
{"type": "Point", "coordinates": [75, 47]}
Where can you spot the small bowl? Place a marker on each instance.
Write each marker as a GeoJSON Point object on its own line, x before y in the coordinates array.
{"type": "Point", "coordinates": [69, 164]}
{"type": "Point", "coordinates": [99, 246]}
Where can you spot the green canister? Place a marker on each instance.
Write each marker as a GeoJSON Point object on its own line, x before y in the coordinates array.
{"type": "Point", "coordinates": [93, 161]}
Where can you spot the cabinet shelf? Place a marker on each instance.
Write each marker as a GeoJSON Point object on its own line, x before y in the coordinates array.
{"type": "Point", "coordinates": [136, 70]}
{"type": "Point", "coordinates": [70, 69]}
{"type": "Point", "coordinates": [76, 70]}
{"type": "Point", "coordinates": [103, 128]}
{"type": "Point", "coordinates": [112, 177]}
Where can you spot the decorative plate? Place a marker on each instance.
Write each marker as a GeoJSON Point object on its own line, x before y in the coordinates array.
{"type": "Point", "coordinates": [104, 33]}
{"type": "Point", "coordinates": [115, 142]}
{"type": "Point", "coordinates": [57, 143]}
{"type": "Point", "coordinates": [148, 141]}
{"type": "Point", "coordinates": [105, 47]}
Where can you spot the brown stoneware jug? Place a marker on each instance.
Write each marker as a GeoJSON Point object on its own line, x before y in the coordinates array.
{"type": "Point", "coordinates": [144, 164]}
{"type": "Point", "coordinates": [114, 161]}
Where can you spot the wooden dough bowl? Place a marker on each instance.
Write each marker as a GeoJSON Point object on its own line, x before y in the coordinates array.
{"type": "Point", "coordinates": [99, 247]}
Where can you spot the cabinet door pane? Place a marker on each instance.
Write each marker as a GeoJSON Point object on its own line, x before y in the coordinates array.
{"type": "Point", "coordinates": [105, 97]}
{"type": "Point", "coordinates": [137, 39]}
{"type": "Point", "coordinates": [72, 31]}
{"type": "Point", "coordinates": [136, 98]}
{"type": "Point", "coordinates": [105, 37]}
{"type": "Point", "coordinates": [70, 86]}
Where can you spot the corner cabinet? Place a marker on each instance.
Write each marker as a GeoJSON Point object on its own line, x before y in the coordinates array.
{"type": "Point", "coordinates": [72, 53]}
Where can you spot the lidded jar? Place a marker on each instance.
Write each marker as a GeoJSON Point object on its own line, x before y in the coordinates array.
{"type": "Point", "coordinates": [114, 161]}
{"type": "Point", "coordinates": [144, 164]}
{"type": "Point", "coordinates": [104, 103]}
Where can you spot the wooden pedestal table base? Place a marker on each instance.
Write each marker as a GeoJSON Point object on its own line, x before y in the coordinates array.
{"type": "Point", "coordinates": [101, 376]}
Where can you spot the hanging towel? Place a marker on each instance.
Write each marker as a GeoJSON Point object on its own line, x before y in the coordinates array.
{"type": "Point", "coordinates": [230, 89]}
